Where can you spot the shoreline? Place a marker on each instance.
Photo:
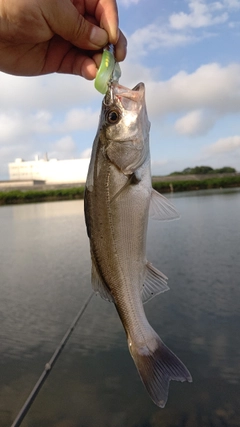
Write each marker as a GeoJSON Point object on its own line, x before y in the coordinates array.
{"type": "Point", "coordinates": [74, 192]}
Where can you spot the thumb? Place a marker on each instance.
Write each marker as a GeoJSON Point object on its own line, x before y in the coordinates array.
{"type": "Point", "coordinates": [65, 20]}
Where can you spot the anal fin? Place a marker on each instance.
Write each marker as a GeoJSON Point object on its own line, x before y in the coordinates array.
{"type": "Point", "coordinates": [155, 282]}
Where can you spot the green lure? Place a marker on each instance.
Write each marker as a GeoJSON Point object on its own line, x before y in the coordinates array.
{"type": "Point", "coordinates": [109, 70]}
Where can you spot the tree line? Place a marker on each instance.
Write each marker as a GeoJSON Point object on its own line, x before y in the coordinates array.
{"type": "Point", "coordinates": [204, 170]}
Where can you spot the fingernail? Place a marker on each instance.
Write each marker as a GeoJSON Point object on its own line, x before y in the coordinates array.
{"type": "Point", "coordinates": [98, 36]}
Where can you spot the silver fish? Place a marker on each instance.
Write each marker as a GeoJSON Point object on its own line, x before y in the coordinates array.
{"type": "Point", "coordinates": [118, 200]}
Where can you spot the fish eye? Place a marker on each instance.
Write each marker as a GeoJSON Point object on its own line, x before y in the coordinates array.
{"type": "Point", "coordinates": [113, 117]}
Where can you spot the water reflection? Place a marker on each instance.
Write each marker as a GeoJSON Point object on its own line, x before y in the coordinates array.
{"type": "Point", "coordinates": [44, 279]}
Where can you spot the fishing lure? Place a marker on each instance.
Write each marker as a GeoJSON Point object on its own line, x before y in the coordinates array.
{"type": "Point", "coordinates": [108, 71]}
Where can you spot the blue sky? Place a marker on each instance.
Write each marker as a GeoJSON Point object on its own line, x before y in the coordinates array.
{"type": "Point", "coordinates": [187, 54]}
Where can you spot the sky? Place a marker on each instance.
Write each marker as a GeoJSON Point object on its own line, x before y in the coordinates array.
{"type": "Point", "coordinates": [187, 54]}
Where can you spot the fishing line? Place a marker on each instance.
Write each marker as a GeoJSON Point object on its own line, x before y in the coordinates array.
{"type": "Point", "coordinates": [28, 403]}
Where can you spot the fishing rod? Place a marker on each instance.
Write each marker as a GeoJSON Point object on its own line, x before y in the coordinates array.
{"type": "Point", "coordinates": [29, 401]}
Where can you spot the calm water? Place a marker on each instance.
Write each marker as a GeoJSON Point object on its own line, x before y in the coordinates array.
{"type": "Point", "coordinates": [44, 280]}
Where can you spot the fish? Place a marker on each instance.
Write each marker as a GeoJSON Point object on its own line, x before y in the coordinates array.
{"type": "Point", "coordinates": [118, 201]}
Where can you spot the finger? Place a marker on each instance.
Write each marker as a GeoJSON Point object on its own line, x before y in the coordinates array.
{"type": "Point", "coordinates": [121, 47]}
{"type": "Point", "coordinates": [106, 13]}
{"type": "Point", "coordinates": [62, 57]}
{"type": "Point", "coordinates": [120, 51]}
{"type": "Point", "coordinates": [65, 20]}
{"type": "Point", "coordinates": [79, 64]}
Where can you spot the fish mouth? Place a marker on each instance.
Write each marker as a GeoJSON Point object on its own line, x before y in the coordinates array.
{"type": "Point", "coordinates": [139, 87]}
{"type": "Point", "coordinates": [115, 90]}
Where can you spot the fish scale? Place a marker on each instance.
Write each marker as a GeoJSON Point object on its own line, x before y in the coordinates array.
{"type": "Point", "coordinates": [118, 200]}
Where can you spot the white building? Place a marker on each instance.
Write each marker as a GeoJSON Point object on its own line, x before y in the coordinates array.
{"type": "Point", "coordinates": [51, 171]}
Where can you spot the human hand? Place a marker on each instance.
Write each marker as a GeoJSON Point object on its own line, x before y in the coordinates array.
{"type": "Point", "coordinates": [65, 36]}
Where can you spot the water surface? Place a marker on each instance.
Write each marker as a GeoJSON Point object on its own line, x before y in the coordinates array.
{"type": "Point", "coordinates": [44, 280]}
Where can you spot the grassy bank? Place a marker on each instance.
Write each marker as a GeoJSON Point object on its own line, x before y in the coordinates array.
{"type": "Point", "coordinates": [33, 195]}
{"type": "Point", "coordinates": [201, 184]}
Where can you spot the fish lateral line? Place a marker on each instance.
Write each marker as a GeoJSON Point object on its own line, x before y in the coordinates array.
{"type": "Point", "coordinates": [117, 209]}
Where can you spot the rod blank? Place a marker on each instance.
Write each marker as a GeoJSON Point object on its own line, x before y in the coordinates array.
{"type": "Point", "coordinates": [48, 367]}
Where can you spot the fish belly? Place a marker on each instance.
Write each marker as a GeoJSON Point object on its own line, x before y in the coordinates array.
{"type": "Point", "coordinates": [117, 217]}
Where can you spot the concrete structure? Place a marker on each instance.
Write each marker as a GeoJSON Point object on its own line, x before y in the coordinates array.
{"type": "Point", "coordinates": [51, 171]}
{"type": "Point", "coordinates": [9, 185]}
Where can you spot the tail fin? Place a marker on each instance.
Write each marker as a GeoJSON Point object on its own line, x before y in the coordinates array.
{"type": "Point", "coordinates": [157, 367]}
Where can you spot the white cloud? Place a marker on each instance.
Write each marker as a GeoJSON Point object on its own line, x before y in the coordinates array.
{"type": "Point", "coordinates": [133, 74]}
{"type": "Point", "coordinates": [128, 3]}
{"type": "Point", "coordinates": [65, 144]}
{"type": "Point", "coordinates": [158, 164]}
{"type": "Point", "coordinates": [201, 14]}
{"type": "Point", "coordinates": [182, 28]}
{"type": "Point", "coordinates": [16, 125]}
{"type": "Point", "coordinates": [232, 4]}
{"type": "Point", "coordinates": [10, 126]}
{"type": "Point", "coordinates": [79, 119]}
{"type": "Point", "coordinates": [39, 122]}
{"type": "Point", "coordinates": [224, 145]}
{"type": "Point", "coordinates": [35, 111]}
{"type": "Point", "coordinates": [56, 91]}
{"type": "Point", "coordinates": [63, 148]}
{"type": "Point", "coordinates": [195, 123]}
{"type": "Point", "coordinates": [86, 153]}
{"type": "Point", "coordinates": [223, 152]}
{"type": "Point", "coordinates": [154, 37]}
{"type": "Point", "coordinates": [197, 100]}
{"type": "Point", "coordinates": [210, 87]}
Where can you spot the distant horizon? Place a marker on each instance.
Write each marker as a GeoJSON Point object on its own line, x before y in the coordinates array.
{"type": "Point", "coordinates": [153, 175]}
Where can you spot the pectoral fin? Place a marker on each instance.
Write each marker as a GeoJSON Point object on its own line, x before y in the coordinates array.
{"type": "Point", "coordinates": [161, 208]}
{"type": "Point", "coordinates": [99, 286]}
{"type": "Point", "coordinates": [132, 179]}
{"type": "Point", "coordinates": [155, 283]}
